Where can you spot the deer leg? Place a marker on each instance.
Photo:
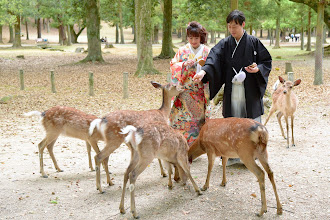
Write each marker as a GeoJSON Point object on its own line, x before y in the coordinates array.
{"type": "Point", "coordinates": [89, 156]}
{"type": "Point", "coordinates": [161, 168]}
{"type": "Point", "coordinates": [250, 163]}
{"type": "Point", "coordinates": [184, 164]}
{"type": "Point", "coordinates": [182, 174]}
{"type": "Point", "coordinates": [41, 147]}
{"type": "Point", "coordinates": [176, 174]}
{"type": "Point", "coordinates": [45, 142]}
{"type": "Point", "coordinates": [50, 150]}
{"type": "Point", "coordinates": [293, 145]}
{"type": "Point", "coordinates": [279, 116]}
{"type": "Point", "coordinates": [131, 166]}
{"type": "Point", "coordinates": [287, 130]}
{"type": "Point", "coordinates": [211, 158]}
{"type": "Point", "coordinates": [104, 162]}
{"type": "Point", "coordinates": [271, 111]}
{"type": "Point", "coordinates": [139, 168]}
{"type": "Point", "coordinates": [169, 169]}
{"type": "Point", "coordinates": [264, 163]}
{"type": "Point", "coordinates": [224, 163]}
{"type": "Point", "coordinates": [100, 157]}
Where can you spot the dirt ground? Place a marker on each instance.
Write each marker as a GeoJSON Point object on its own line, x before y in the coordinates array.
{"type": "Point", "coordinates": [302, 173]}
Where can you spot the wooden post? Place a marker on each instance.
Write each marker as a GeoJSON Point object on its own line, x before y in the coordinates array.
{"type": "Point", "coordinates": [290, 76]}
{"type": "Point", "coordinates": [168, 77]}
{"type": "Point", "coordinates": [52, 80]}
{"type": "Point", "coordinates": [21, 79]}
{"type": "Point", "coordinates": [288, 68]}
{"type": "Point", "coordinates": [125, 85]}
{"type": "Point", "coordinates": [91, 84]}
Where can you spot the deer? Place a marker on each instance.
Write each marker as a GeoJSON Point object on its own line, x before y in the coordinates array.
{"type": "Point", "coordinates": [285, 102]}
{"type": "Point", "coordinates": [63, 120]}
{"type": "Point", "coordinates": [112, 123]}
{"type": "Point", "coordinates": [150, 140]}
{"type": "Point", "coordinates": [236, 138]}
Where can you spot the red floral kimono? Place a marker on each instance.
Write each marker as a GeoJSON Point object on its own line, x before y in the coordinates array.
{"type": "Point", "coordinates": [191, 107]}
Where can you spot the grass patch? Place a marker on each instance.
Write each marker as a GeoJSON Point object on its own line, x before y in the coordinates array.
{"type": "Point", "coordinates": [289, 53]}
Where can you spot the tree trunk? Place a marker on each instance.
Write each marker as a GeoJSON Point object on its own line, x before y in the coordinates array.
{"type": "Point", "coordinates": [233, 4]}
{"type": "Point", "coordinates": [302, 39]}
{"type": "Point", "coordinates": [122, 41]}
{"type": "Point", "coordinates": [39, 27]}
{"type": "Point", "coordinates": [117, 34]}
{"type": "Point", "coordinates": [62, 34]}
{"type": "Point", "coordinates": [167, 45]}
{"type": "Point", "coordinates": [74, 35]}
{"type": "Point", "coordinates": [17, 40]}
{"type": "Point", "coordinates": [155, 35]}
{"type": "Point", "coordinates": [277, 42]}
{"type": "Point", "coordinates": [69, 41]}
{"type": "Point", "coordinates": [212, 37]}
{"type": "Point", "coordinates": [184, 35]}
{"type": "Point", "coordinates": [48, 28]}
{"type": "Point", "coordinates": [260, 33]}
{"type": "Point", "coordinates": [27, 29]}
{"type": "Point", "coordinates": [308, 48]}
{"type": "Point", "coordinates": [179, 32]}
{"type": "Point", "coordinates": [134, 34]}
{"type": "Point", "coordinates": [93, 31]}
{"type": "Point", "coordinates": [1, 41]}
{"type": "Point", "coordinates": [143, 26]}
{"type": "Point", "coordinates": [11, 34]}
{"type": "Point", "coordinates": [318, 76]}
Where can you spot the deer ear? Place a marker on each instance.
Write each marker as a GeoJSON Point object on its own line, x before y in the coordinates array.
{"type": "Point", "coordinates": [156, 84]}
{"type": "Point", "coordinates": [297, 82]}
{"type": "Point", "coordinates": [281, 79]}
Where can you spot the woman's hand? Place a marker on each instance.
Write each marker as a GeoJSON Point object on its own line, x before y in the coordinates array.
{"type": "Point", "coordinates": [199, 76]}
{"type": "Point", "coordinates": [189, 63]}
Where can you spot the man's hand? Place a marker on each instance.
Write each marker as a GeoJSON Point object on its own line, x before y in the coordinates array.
{"type": "Point", "coordinates": [253, 68]}
{"type": "Point", "coordinates": [199, 76]}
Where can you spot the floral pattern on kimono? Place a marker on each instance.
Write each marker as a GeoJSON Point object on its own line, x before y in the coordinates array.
{"type": "Point", "coordinates": [192, 106]}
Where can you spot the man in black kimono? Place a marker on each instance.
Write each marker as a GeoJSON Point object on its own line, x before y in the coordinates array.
{"type": "Point", "coordinates": [242, 63]}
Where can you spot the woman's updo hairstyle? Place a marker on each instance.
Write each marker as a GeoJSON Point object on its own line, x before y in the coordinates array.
{"type": "Point", "coordinates": [195, 29]}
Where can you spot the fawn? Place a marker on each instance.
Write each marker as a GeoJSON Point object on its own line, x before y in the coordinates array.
{"type": "Point", "coordinates": [285, 101]}
{"type": "Point", "coordinates": [152, 140]}
{"type": "Point", "coordinates": [70, 122]}
{"type": "Point", "coordinates": [111, 124]}
{"type": "Point", "coordinates": [236, 138]}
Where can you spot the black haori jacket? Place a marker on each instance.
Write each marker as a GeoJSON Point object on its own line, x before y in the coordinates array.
{"type": "Point", "coordinates": [219, 71]}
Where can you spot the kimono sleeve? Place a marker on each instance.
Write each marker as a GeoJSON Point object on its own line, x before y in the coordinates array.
{"type": "Point", "coordinates": [212, 67]}
{"type": "Point", "coordinates": [179, 74]}
{"type": "Point", "coordinates": [264, 61]}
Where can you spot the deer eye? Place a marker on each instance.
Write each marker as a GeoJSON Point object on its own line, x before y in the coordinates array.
{"type": "Point", "coordinates": [290, 87]}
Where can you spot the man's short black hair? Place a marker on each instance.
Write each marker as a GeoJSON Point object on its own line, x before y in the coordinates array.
{"type": "Point", "coordinates": [236, 16]}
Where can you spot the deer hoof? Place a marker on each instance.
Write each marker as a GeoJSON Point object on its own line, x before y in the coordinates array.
{"type": "Point", "coordinates": [204, 188]}
{"type": "Point", "coordinates": [122, 210]}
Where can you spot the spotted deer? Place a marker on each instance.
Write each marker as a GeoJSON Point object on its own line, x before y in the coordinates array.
{"type": "Point", "coordinates": [62, 120]}
{"type": "Point", "coordinates": [236, 138]}
{"type": "Point", "coordinates": [111, 124]}
{"type": "Point", "coordinates": [285, 102]}
{"type": "Point", "coordinates": [154, 140]}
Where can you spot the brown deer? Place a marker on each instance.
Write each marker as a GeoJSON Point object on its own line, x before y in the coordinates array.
{"type": "Point", "coordinates": [70, 122]}
{"type": "Point", "coordinates": [236, 138]}
{"type": "Point", "coordinates": [112, 123]}
{"type": "Point", "coordinates": [285, 101]}
{"type": "Point", "coordinates": [156, 139]}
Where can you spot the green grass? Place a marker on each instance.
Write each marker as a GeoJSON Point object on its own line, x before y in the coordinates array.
{"type": "Point", "coordinates": [288, 53]}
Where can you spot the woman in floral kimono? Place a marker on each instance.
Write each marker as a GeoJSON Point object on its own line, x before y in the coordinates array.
{"type": "Point", "coordinates": [191, 108]}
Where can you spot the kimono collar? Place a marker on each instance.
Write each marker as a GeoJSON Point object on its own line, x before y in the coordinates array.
{"type": "Point", "coordinates": [197, 50]}
{"type": "Point", "coordinates": [237, 43]}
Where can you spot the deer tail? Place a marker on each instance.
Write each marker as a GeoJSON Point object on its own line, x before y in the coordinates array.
{"type": "Point", "coordinates": [134, 135]}
{"type": "Point", "coordinates": [259, 135]}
